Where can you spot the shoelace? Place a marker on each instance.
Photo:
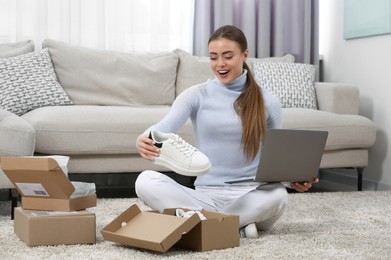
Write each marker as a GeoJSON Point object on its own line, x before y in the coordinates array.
{"type": "Point", "coordinates": [185, 148]}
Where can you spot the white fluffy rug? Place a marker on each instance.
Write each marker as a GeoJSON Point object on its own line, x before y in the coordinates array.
{"type": "Point", "coordinates": [334, 225]}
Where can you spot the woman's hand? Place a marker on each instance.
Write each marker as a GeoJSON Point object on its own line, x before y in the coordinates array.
{"type": "Point", "coordinates": [303, 186]}
{"type": "Point", "coordinates": [146, 147]}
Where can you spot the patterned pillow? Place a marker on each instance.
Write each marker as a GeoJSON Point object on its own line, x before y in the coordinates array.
{"type": "Point", "coordinates": [292, 83]}
{"type": "Point", "coordinates": [28, 82]}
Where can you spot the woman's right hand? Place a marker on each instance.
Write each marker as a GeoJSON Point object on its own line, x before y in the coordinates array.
{"type": "Point", "coordinates": [146, 147]}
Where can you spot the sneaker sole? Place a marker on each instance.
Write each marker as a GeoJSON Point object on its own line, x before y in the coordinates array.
{"type": "Point", "coordinates": [251, 231]}
{"type": "Point", "coordinates": [164, 161]}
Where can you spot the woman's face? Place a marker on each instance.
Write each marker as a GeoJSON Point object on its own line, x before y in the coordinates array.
{"type": "Point", "coordinates": [226, 59]}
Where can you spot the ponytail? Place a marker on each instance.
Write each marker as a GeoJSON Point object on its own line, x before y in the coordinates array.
{"type": "Point", "coordinates": [251, 109]}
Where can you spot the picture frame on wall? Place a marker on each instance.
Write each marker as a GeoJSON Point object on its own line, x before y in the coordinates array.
{"type": "Point", "coordinates": [364, 18]}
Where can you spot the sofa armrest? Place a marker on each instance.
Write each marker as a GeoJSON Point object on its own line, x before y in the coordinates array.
{"type": "Point", "coordinates": [337, 98]}
{"type": "Point", "coordinates": [17, 136]}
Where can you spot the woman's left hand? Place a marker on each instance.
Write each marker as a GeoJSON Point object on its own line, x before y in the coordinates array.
{"type": "Point", "coordinates": [303, 186]}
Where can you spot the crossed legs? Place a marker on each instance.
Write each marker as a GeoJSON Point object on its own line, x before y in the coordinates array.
{"type": "Point", "coordinates": [262, 204]}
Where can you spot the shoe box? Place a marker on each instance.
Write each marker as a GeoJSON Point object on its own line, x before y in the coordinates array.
{"type": "Point", "coordinates": [38, 228]}
{"type": "Point", "coordinates": [160, 231]}
{"type": "Point", "coordinates": [43, 185]}
{"type": "Point", "coordinates": [49, 215]}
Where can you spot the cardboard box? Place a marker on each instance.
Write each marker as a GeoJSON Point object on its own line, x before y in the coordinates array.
{"type": "Point", "coordinates": [43, 185]}
{"type": "Point", "coordinates": [55, 228]}
{"type": "Point", "coordinates": [218, 231]}
{"type": "Point", "coordinates": [159, 232]}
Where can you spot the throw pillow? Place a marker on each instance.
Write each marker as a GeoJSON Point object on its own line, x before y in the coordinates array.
{"type": "Point", "coordinates": [286, 58]}
{"type": "Point", "coordinates": [292, 83]}
{"type": "Point", "coordinates": [28, 82]}
{"type": "Point", "coordinates": [194, 70]}
{"type": "Point", "coordinates": [8, 50]}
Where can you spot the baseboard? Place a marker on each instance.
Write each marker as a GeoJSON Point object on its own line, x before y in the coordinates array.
{"type": "Point", "coordinates": [346, 180]}
{"type": "Point", "coordinates": [122, 185]}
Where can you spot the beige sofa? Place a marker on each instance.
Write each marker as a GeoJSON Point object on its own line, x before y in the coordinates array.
{"type": "Point", "coordinates": [116, 96]}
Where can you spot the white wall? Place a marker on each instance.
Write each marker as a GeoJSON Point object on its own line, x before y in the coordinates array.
{"type": "Point", "coordinates": [366, 63]}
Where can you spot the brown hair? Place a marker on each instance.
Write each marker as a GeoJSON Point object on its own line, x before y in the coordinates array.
{"type": "Point", "coordinates": [250, 104]}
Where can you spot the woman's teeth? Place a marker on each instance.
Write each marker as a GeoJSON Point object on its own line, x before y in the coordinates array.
{"type": "Point", "coordinates": [223, 72]}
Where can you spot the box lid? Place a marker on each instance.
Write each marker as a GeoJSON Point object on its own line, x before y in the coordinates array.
{"type": "Point", "coordinates": [37, 177]}
{"type": "Point", "coordinates": [148, 230]}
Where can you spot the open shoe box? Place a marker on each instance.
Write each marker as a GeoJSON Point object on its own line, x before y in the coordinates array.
{"type": "Point", "coordinates": [43, 185]}
{"type": "Point", "coordinates": [160, 231]}
{"type": "Point", "coordinates": [39, 228]}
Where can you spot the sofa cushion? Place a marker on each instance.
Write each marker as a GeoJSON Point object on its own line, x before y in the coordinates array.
{"type": "Point", "coordinates": [192, 70]}
{"type": "Point", "coordinates": [195, 70]}
{"type": "Point", "coordinates": [78, 130]}
{"type": "Point", "coordinates": [28, 81]}
{"type": "Point", "coordinates": [114, 78]}
{"type": "Point", "coordinates": [292, 83]}
{"type": "Point", "coordinates": [345, 131]}
{"type": "Point", "coordinates": [8, 50]}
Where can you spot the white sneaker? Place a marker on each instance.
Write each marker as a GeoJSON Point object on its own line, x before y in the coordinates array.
{"type": "Point", "coordinates": [249, 231]}
{"type": "Point", "coordinates": [178, 155]}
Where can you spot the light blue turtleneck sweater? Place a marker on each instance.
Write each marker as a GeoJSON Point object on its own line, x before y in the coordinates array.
{"type": "Point", "coordinates": [217, 127]}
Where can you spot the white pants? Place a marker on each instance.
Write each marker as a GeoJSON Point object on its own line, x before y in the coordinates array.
{"type": "Point", "coordinates": [260, 204]}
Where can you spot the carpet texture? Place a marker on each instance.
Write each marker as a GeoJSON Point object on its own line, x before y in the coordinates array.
{"type": "Point", "coordinates": [330, 225]}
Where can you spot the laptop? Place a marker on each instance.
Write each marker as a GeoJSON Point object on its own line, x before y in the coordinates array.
{"type": "Point", "coordinates": [290, 156]}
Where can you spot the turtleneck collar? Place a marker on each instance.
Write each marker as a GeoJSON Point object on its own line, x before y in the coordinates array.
{"type": "Point", "coordinates": [237, 84]}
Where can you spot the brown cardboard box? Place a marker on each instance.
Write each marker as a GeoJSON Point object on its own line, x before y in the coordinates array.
{"type": "Point", "coordinates": [159, 232]}
{"type": "Point", "coordinates": [55, 228]}
{"type": "Point", "coordinates": [148, 230]}
{"type": "Point", "coordinates": [218, 231]}
{"type": "Point", "coordinates": [43, 185]}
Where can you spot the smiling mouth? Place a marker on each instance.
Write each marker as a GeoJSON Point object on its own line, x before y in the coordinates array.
{"type": "Point", "coordinates": [223, 72]}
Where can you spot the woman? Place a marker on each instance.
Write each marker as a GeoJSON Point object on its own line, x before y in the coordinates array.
{"type": "Point", "coordinates": [230, 116]}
